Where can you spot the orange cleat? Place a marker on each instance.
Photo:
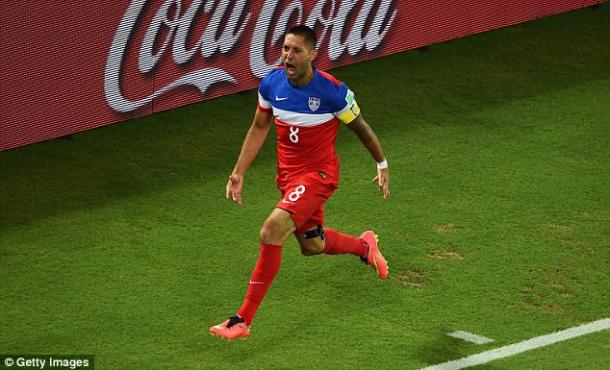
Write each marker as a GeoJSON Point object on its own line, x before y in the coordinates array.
{"type": "Point", "coordinates": [234, 327]}
{"type": "Point", "coordinates": [374, 258]}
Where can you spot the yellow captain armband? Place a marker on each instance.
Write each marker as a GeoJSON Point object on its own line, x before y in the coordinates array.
{"type": "Point", "coordinates": [349, 113]}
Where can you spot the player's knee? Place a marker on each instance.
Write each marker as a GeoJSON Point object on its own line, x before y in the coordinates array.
{"type": "Point", "coordinates": [270, 232]}
{"type": "Point", "coordinates": [266, 232]}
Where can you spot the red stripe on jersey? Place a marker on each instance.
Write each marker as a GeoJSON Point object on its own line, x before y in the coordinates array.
{"type": "Point", "coordinates": [329, 77]}
{"type": "Point", "coordinates": [308, 149]}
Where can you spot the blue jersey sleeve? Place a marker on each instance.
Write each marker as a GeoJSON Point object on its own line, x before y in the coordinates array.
{"type": "Point", "coordinates": [264, 101]}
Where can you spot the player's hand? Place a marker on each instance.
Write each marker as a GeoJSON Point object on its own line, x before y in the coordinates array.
{"type": "Point", "coordinates": [234, 185]}
{"type": "Point", "coordinates": [383, 181]}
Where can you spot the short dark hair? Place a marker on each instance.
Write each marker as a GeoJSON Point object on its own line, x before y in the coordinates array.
{"type": "Point", "coordinates": [305, 32]}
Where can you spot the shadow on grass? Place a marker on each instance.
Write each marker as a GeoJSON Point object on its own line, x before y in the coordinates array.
{"type": "Point", "coordinates": [195, 143]}
{"type": "Point", "coordinates": [445, 348]}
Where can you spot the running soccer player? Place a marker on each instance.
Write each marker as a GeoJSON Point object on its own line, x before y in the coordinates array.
{"type": "Point", "coordinates": [308, 106]}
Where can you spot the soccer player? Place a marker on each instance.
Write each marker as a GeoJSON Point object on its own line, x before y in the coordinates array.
{"type": "Point", "coordinates": [308, 106]}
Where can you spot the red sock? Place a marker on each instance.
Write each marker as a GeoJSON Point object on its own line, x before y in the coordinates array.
{"type": "Point", "coordinates": [267, 266]}
{"type": "Point", "coordinates": [338, 243]}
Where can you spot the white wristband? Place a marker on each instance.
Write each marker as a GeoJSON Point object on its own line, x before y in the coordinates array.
{"type": "Point", "coordinates": [382, 165]}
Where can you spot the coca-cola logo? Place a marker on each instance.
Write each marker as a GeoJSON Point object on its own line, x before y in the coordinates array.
{"type": "Point", "coordinates": [227, 25]}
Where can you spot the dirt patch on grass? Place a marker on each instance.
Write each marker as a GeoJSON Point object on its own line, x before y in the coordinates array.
{"type": "Point", "coordinates": [526, 290]}
{"type": "Point", "coordinates": [446, 255]}
{"type": "Point", "coordinates": [543, 293]}
{"type": "Point", "coordinates": [558, 227]}
{"type": "Point", "coordinates": [446, 229]}
{"type": "Point", "coordinates": [569, 240]}
{"type": "Point", "coordinates": [545, 297]}
{"type": "Point", "coordinates": [412, 278]}
{"type": "Point", "coordinates": [596, 214]}
{"type": "Point", "coordinates": [550, 308]}
{"type": "Point", "coordinates": [562, 234]}
{"type": "Point", "coordinates": [560, 290]}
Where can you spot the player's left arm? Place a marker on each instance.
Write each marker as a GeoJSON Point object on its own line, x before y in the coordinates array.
{"type": "Point", "coordinates": [368, 138]}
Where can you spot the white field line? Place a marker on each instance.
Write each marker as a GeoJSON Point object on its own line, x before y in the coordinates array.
{"type": "Point", "coordinates": [469, 337]}
{"type": "Point", "coordinates": [526, 345]}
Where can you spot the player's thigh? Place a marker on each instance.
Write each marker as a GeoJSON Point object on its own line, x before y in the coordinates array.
{"type": "Point", "coordinates": [304, 199]}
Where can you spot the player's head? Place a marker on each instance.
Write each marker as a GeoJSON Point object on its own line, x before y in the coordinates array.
{"type": "Point", "coordinates": [306, 33]}
{"type": "Point", "coordinates": [298, 53]}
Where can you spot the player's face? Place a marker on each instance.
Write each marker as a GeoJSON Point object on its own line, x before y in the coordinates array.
{"type": "Point", "coordinates": [297, 58]}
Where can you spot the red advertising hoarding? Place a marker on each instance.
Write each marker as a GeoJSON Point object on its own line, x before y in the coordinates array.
{"type": "Point", "coordinates": [68, 66]}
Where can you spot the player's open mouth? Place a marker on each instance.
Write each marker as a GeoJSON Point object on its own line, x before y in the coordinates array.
{"type": "Point", "coordinates": [290, 68]}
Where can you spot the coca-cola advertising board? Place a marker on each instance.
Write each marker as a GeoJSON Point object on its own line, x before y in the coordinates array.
{"type": "Point", "coordinates": [68, 66]}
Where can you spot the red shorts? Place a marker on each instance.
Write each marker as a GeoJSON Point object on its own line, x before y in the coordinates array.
{"type": "Point", "coordinates": [304, 198]}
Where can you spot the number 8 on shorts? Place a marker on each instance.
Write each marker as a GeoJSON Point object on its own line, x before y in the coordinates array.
{"type": "Point", "coordinates": [296, 194]}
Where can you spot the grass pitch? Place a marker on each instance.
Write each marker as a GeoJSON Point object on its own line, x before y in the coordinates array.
{"type": "Point", "coordinates": [119, 243]}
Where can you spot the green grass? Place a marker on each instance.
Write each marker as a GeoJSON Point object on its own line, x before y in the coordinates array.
{"type": "Point", "coordinates": [119, 243]}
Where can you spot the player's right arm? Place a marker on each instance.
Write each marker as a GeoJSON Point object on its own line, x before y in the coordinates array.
{"type": "Point", "coordinates": [252, 144]}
